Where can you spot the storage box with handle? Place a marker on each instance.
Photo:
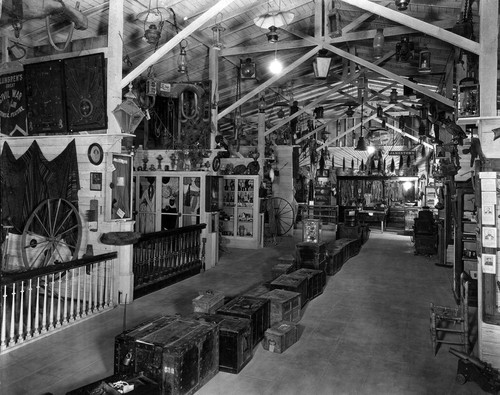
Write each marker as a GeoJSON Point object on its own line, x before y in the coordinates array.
{"type": "Point", "coordinates": [280, 337]}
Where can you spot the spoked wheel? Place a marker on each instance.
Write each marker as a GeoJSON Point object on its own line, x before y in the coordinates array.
{"type": "Point", "coordinates": [281, 216]}
{"type": "Point", "coordinates": [53, 233]}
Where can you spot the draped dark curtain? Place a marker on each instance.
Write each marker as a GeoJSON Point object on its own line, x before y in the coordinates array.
{"type": "Point", "coordinates": [27, 181]}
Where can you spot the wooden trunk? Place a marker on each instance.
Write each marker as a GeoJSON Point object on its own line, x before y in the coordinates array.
{"type": "Point", "coordinates": [311, 255]}
{"type": "Point", "coordinates": [316, 280]}
{"type": "Point", "coordinates": [282, 268]}
{"type": "Point", "coordinates": [293, 284]}
{"type": "Point", "coordinates": [142, 386]}
{"type": "Point", "coordinates": [208, 302]}
{"type": "Point", "coordinates": [181, 354]}
{"type": "Point", "coordinates": [280, 337]}
{"type": "Point", "coordinates": [235, 340]}
{"type": "Point", "coordinates": [257, 290]}
{"type": "Point", "coordinates": [256, 309]}
{"type": "Point", "coordinates": [285, 305]}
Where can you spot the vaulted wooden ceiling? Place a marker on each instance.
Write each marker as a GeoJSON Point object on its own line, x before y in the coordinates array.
{"type": "Point", "coordinates": [299, 39]}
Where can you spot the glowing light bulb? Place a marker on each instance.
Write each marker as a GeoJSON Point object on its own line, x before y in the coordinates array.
{"type": "Point", "coordinates": [371, 149]}
{"type": "Point", "coordinates": [275, 67]}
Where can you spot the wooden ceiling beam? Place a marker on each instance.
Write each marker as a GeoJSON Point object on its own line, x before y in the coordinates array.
{"type": "Point", "coordinates": [380, 70]}
{"type": "Point", "coordinates": [416, 24]}
{"type": "Point", "coordinates": [269, 82]}
{"type": "Point", "coordinates": [191, 28]}
{"type": "Point", "coordinates": [347, 37]}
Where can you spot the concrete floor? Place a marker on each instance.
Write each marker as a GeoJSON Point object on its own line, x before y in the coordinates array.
{"type": "Point", "coordinates": [368, 333]}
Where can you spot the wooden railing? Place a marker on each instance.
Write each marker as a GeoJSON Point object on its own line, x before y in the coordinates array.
{"type": "Point", "coordinates": [39, 302]}
{"type": "Point", "coordinates": [165, 257]}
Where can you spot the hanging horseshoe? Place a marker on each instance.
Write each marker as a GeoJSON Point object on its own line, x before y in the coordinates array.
{"type": "Point", "coordinates": [188, 105]}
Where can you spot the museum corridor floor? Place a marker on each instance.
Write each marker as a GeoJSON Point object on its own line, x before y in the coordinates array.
{"type": "Point", "coordinates": [368, 333]}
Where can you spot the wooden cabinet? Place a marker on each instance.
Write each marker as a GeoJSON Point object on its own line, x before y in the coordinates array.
{"type": "Point", "coordinates": [240, 219]}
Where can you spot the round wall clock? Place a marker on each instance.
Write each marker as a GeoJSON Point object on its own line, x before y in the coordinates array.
{"type": "Point", "coordinates": [95, 154]}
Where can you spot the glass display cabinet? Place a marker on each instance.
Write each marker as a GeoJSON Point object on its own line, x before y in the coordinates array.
{"type": "Point", "coordinates": [240, 220]}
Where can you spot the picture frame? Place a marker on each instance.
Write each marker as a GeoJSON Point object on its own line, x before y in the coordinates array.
{"type": "Point", "coordinates": [95, 181]}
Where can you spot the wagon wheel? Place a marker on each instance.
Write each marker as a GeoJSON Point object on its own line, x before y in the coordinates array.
{"type": "Point", "coordinates": [53, 233]}
{"type": "Point", "coordinates": [281, 216]}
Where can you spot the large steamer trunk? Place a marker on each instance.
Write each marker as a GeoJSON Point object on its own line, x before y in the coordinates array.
{"type": "Point", "coordinates": [235, 340]}
{"type": "Point", "coordinates": [316, 281]}
{"type": "Point", "coordinates": [311, 255]}
{"type": "Point", "coordinates": [181, 354]}
{"type": "Point", "coordinates": [256, 309]}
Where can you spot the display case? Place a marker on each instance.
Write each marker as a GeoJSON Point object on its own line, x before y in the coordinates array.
{"type": "Point", "coordinates": [322, 189]}
{"type": "Point", "coordinates": [240, 219]}
{"type": "Point", "coordinates": [465, 236]}
{"type": "Point", "coordinates": [167, 200]}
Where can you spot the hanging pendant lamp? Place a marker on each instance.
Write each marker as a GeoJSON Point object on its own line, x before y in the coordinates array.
{"type": "Point", "coordinates": [361, 146]}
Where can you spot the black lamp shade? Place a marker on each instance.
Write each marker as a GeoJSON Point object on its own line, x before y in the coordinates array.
{"type": "Point", "coordinates": [402, 4]}
{"type": "Point", "coordinates": [272, 35]}
{"type": "Point", "coordinates": [361, 146]}
{"type": "Point", "coordinates": [247, 69]}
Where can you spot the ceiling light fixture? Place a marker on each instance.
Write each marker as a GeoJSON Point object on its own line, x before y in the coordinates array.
{"type": "Point", "coordinates": [152, 35]}
{"type": "Point", "coordinates": [393, 97]}
{"type": "Point", "coordinates": [404, 50]}
{"type": "Point", "coordinates": [272, 20]}
{"type": "Point", "coordinates": [321, 64]}
{"type": "Point", "coordinates": [402, 4]}
{"type": "Point", "coordinates": [154, 17]}
{"type": "Point", "coordinates": [275, 66]}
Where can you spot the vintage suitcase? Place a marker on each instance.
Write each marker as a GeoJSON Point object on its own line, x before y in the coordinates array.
{"type": "Point", "coordinates": [316, 281]}
{"type": "Point", "coordinates": [115, 385]}
{"type": "Point", "coordinates": [208, 302]}
{"type": "Point", "coordinates": [280, 337]}
{"type": "Point", "coordinates": [235, 340]}
{"type": "Point", "coordinates": [282, 268]}
{"type": "Point", "coordinates": [294, 284]}
{"type": "Point", "coordinates": [256, 309]}
{"type": "Point", "coordinates": [181, 354]}
{"type": "Point", "coordinates": [285, 305]}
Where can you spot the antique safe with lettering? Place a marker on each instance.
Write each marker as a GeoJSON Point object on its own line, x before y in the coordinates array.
{"type": "Point", "coordinates": [181, 354]}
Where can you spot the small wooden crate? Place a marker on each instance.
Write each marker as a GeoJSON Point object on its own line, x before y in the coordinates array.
{"type": "Point", "coordinates": [208, 302]}
{"type": "Point", "coordinates": [282, 268]}
{"type": "Point", "coordinates": [280, 337]}
{"type": "Point", "coordinates": [316, 280]}
{"type": "Point", "coordinates": [285, 305]}
{"type": "Point", "coordinates": [256, 309]}
{"type": "Point", "coordinates": [293, 284]}
{"type": "Point", "coordinates": [235, 340]}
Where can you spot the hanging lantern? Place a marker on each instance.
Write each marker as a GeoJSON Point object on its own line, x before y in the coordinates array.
{"type": "Point", "coordinates": [424, 61]}
{"type": "Point", "coordinates": [216, 36]}
{"type": "Point", "coordinates": [272, 35]}
{"type": "Point", "coordinates": [361, 146]}
{"type": "Point", "coordinates": [334, 22]}
{"type": "Point", "coordinates": [404, 49]}
{"type": "Point", "coordinates": [152, 35]}
{"type": "Point", "coordinates": [467, 103]}
{"type": "Point", "coordinates": [393, 97]}
{"type": "Point", "coordinates": [378, 44]}
{"type": "Point", "coordinates": [321, 64]}
{"type": "Point", "coordinates": [128, 114]}
{"type": "Point", "coordinates": [380, 112]}
{"type": "Point", "coordinates": [402, 4]}
{"type": "Point", "coordinates": [262, 104]}
{"type": "Point", "coordinates": [181, 62]}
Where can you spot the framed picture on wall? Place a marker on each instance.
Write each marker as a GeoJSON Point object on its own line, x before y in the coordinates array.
{"type": "Point", "coordinates": [96, 181]}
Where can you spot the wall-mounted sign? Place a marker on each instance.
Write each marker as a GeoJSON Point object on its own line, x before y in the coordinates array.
{"type": "Point", "coordinates": [12, 105]}
{"type": "Point", "coordinates": [398, 153]}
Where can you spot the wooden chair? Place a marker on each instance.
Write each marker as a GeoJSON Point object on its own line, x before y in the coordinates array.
{"type": "Point", "coordinates": [450, 325]}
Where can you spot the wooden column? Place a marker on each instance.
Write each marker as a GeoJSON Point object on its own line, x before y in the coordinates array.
{"type": "Point", "coordinates": [114, 62]}
{"type": "Point", "coordinates": [261, 141]}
